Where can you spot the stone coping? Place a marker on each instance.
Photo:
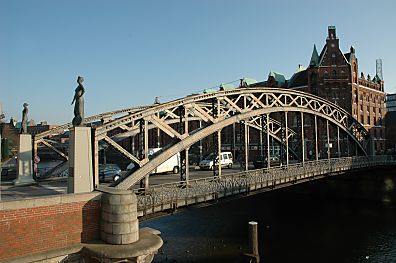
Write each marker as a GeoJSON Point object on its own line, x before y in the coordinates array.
{"type": "Point", "coordinates": [148, 243]}
{"type": "Point", "coordinates": [48, 200]}
{"type": "Point", "coordinates": [47, 255]}
{"type": "Point", "coordinates": [113, 190]}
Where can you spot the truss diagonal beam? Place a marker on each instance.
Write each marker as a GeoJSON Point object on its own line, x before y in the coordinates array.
{"type": "Point", "coordinates": [123, 151]}
{"type": "Point", "coordinates": [54, 149]}
{"type": "Point", "coordinates": [164, 127]}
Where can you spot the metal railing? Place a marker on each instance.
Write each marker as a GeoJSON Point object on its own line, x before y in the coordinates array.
{"type": "Point", "coordinates": [172, 195]}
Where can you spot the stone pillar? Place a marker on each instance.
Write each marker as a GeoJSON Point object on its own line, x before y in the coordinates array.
{"type": "Point", "coordinates": [119, 223]}
{"type": "Point", "coordinates": [25, 162]}
{"type": "Point", "coordinates": [80, 161]}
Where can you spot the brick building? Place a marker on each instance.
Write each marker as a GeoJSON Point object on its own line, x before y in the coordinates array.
{"type": "Point", "coordinates": [390, 121]}
{"type": "Point", "coordinates": [333, 75]}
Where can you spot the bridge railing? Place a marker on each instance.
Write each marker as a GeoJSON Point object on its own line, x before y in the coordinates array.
{"type": "Point", "coordinates": [172, 195]}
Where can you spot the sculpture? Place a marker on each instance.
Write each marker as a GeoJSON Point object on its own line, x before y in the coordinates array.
{"type": "Point", "coordinates": [78, 101]}
{"type": "Point", "coordinates": [24, 123]}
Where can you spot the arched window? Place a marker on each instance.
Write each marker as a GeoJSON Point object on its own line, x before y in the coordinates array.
{"type": "Point", "coordinates": [334, 73]}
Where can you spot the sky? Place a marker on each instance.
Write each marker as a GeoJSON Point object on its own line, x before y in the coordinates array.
{"type": "Point", "coordinates": [131, 51]}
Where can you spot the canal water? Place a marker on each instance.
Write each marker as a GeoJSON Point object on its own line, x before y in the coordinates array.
{"type": "Point", "coordinates": [348, 218]}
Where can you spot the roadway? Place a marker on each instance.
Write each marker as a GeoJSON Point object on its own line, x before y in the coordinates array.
{"type": "Point", "coordinates": [58, 185]}
{"type": "Point", "coordinates": [195, 173]}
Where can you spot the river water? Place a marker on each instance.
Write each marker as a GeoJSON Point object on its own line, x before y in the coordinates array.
{"type": "Point", "coordinates": [348, 218]}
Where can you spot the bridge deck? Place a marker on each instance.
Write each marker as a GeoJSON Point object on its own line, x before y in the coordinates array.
{"type": "Point", "coordinates": [170, 196]}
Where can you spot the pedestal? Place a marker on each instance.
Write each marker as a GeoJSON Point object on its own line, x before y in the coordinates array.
{"type": "Point", "coordinates": [25, 162]}
{"type": "Point", "coordinates": [122, 240]}
{"type": "Point", "coordinates": [119, 223]}
{"type": "Point", "coordinates": [80, 161]}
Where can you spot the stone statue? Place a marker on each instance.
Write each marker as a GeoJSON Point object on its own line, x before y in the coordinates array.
{"type": "Point", "coordinates": [78, 101]}
{"type": "Point", "coordinates": [24, 123]}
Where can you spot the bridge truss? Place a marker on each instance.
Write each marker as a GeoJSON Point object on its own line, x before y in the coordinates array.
{"type": "Point", "coordinates": [268, 108]}
{"type": "Point", "coordinates": [290, 117]}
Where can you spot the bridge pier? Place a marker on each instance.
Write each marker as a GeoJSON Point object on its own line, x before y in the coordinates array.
{"type": "Point", "coordinates": [25, 162]}
{"type": "Point", "coordinates": [122, 239]}
{"type": "Point", "coordinates": [80, 162]}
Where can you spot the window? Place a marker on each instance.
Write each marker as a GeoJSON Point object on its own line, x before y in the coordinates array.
{"type": "Point", "coordinates": [333, 59]}
{"type": "Point", "coordinates": [368, 120]}
{"type": "Point", "coordinates": [334, 73]}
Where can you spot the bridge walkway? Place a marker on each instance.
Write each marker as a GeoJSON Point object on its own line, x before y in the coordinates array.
{"type": "Point", "coordinates": [168, 197]}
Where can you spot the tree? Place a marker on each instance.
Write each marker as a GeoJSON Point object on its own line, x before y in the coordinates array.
{"type": "Point", "coordinates": [5, 149]}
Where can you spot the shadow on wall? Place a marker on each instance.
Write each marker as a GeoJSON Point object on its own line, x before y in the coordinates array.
{"type": "Point", "coordinates": [91, 214]}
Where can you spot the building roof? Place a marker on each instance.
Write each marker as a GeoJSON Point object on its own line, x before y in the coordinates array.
{"type": "Point", "coordinates": [249, 81]}
{"type": "Point", "coordinates": [322, 54]}
{"type": "Point", "coordinates": [298, 79]}
{"type": "Point", "coordinates": [226, 86]}
{"type": "Point", "coordinates": [348, 57]}
{"type": "Point", "coordinates": [377, 78]}
{"type": "Point", "coordinates": [280, 78]}
{"type": "Point", "coordinates": [314, 58]}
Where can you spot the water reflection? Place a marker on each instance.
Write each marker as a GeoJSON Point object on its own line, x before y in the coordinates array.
{"type": "Point", "coordinates": [333, 220]}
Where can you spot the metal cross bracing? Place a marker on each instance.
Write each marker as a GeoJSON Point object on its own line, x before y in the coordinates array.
{"type": "Point", "coordinates": [258, 108]}
{"type": "Point", "coordinates": [234, 106]}
{"type": "Point", "coordinates": [43, 137]}
{"type": "Point", "coordinates": [173, 195]}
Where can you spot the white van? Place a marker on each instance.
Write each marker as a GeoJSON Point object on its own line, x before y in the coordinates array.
{"type": "Point", "coordinates": [170, 165]}
{"type": "Point", "coordinates": [226, 160]}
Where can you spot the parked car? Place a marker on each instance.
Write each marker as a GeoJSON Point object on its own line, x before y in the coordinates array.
{"type": "Point", "coordinates": [170, 165]}
{"type": "Point", "coordinates": [261, 162]}
{"type": "Point", "coordinates": [226, 160]}
{"type": "Point", "coordinates": [109, 172]}
{"type": "Point", "coordinates": [8, 174]}
{"type": "Point", "coordinates": [193, 159]}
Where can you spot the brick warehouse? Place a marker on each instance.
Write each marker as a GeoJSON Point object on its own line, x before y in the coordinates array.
{"type": "Point", "coordinates": [333, 75]}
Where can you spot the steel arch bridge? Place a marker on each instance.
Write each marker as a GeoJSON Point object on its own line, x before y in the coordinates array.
{"type": "Point", "coordinates": [269, 110]}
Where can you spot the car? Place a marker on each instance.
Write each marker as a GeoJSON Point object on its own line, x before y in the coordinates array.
{"type": "Point", "coordinates": [109, 172]}
{"type": "Point", "coordinates": [8, 174]}
{"type": "Point", "coordinates": [193, 159]}
{"type": "Point", "coordinates": [226, 160]}
{"type": "Point", "coordinates": [171, 165]}
{"type": "Point", "coordinates": [261, 161]}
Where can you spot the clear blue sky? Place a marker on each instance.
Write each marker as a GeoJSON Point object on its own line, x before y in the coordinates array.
{"type": "Point", "coordinates": [130, 51]}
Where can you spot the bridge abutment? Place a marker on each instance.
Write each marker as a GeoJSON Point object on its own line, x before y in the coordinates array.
{"type": "Point", "coordinates": [120, 231]}
{"type": "Point", "coordinates": [119, 223]}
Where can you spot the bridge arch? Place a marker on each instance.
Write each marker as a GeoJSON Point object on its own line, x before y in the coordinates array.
{"type": "Point", "coordinates": [198, 135]}
{"type": "Point", "coordinates": [217, 109]}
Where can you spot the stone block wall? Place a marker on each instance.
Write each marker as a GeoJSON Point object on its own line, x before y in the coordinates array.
{"type": "Point", "coordinates": [48, 223]}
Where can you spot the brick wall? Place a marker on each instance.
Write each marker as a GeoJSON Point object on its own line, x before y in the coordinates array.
{"type": "Point", "coordinates": [42, 224]}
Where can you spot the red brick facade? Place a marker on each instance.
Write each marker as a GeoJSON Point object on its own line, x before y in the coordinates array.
{"type": "Point", "coordinates": [32, 229]}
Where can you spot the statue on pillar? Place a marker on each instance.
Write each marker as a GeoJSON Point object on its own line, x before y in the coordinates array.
{"type": "Point", "coordinates": [24, 123]}
{"type": "Point", "coordinates": [78, 101]}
